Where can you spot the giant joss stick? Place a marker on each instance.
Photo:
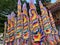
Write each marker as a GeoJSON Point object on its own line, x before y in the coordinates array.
{"type": "Point", "coordinates": [45, 18]}
{"type": "Point", "coordinates": [54, 27]}
{"type": "Point", "coordinates": [52, 21]}
{"type": "Point", "coordinates": [12, 31]}
{"type": "Point", "coordinates": [34, 25]}
{"type": "Point", "coordinates": [8, 27]}
{"type": "Point", "coordinates": [19, 24]}
{"type": "Point", "coordinates": [26, 30]}
{"type": "Point", "coordinates": [46, 23]}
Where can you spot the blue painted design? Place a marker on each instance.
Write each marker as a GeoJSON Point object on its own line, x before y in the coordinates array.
{"type": "Point", "coordinates": [36, 31]}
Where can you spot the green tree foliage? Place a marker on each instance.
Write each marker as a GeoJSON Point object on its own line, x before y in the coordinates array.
{"type": "Point", "coordinates": [45, 1]}
{"type": "Point", "coordinates": [6, 7]}
{"type": "Point", "coordinates": [2, 20]}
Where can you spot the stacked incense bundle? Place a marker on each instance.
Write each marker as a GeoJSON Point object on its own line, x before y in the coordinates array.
{"type": "Point", "coordinates": [26, 31]}
{"type": "Point", "coordinates": [31, 28]}
{"type": "Point", "coordinates": [54, 29]}
{"type": "Point", "coordinates": [46, 24]}
{"type": "Point", "coordinates": [19, 24]}
{"type": "Point", "coordinates": [45, 19]}
{"type": "Point", "coordinates": [34, 25]}
{"type": "Point", "coordinates": [12, 31]}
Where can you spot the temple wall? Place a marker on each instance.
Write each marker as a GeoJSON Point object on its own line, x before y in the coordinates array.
{"type": "Point", "coordinates": [57, 15]}
{"type": "Point", "coordinates": [58, 1]}
{"type": "Point", "coordinates": [57, 20]}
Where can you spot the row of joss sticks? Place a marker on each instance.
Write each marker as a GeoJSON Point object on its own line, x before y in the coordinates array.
{"type": "Point", "coordinates": [33, 28]}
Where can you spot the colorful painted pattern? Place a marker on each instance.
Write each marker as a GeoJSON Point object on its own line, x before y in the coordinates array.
{"type": "Point", "coordinates": [29, 28]}
{"type": "Point", "coordinates": [25, 23]}
{"type": "Point", "coordinates": [19, 21]}
{"type": "Point", "coordinates": [34, 24]}
{"type": "Point", "coordinates": [45, 19]}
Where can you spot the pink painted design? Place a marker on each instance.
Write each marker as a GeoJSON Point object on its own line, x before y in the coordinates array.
{"type": "Point", "coordinates": [19, 3]}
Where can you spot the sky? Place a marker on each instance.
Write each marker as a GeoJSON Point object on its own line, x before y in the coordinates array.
{"type": "Point", "coordinates": [29, 0]}
{"type": "Point", "coordinates": [52, 1]}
